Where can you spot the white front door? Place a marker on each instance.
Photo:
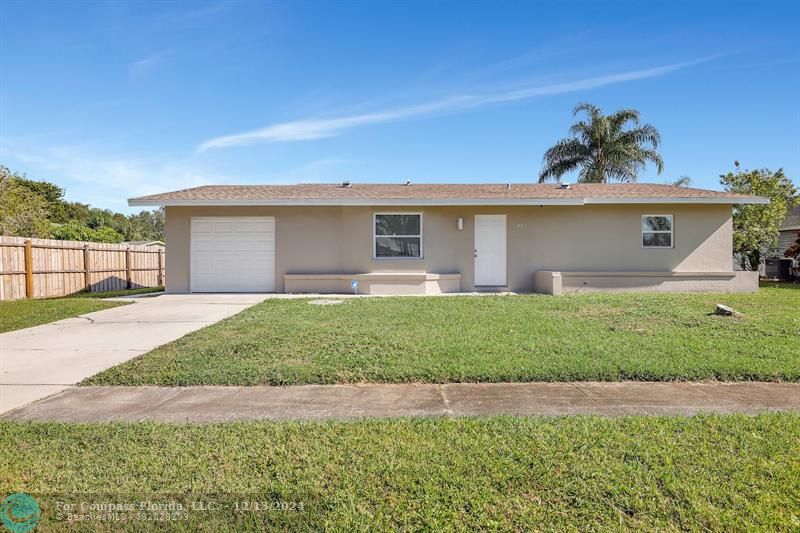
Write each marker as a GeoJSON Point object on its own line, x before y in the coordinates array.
{"type": "Point", "coordinates": [490, 250]}
{"type": "Point", "coordinates": [232, 254]}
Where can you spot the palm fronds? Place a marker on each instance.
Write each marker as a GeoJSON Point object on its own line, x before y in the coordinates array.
{"type": "Point", "coordinates": [603, 149]}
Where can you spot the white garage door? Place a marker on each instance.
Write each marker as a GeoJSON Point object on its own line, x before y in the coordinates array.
{"type": "Point", "coordinates": [233, 254]}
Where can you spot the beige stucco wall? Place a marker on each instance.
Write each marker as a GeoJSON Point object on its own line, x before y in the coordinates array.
{"type": "Point", "coordinates": [338, 240]}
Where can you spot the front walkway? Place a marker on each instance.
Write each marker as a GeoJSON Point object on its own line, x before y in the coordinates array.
{"type": "Point", "coordinates": [39, 361]}
{"type": "Point", "coordinates": [215, 404]}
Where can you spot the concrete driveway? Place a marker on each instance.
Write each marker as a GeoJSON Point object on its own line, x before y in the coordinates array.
{"type": "Point", "coordinates": [40, 361]}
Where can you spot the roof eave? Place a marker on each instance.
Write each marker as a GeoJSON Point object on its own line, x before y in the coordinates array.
{"type": "Point", "coordinates": [748, 200]}
{"type": "Point", "coordinates": [442, 202]}
{"type": "Point", "coordinates": [359, 202]}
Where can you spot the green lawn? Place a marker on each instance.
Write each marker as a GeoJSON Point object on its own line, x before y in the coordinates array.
{"type": "Point", "coordinates": [580, 473]}
{"type": "Point", "coordinates": [486, 339]}
{"type": "Point", "coordinates": [18, 314]}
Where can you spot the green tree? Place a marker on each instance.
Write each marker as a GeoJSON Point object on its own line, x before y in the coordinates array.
{"type": "Point", "coordinates": [107, 234]}
{"type": "Point", "coordinates": [72, 231]}
{"type": "Point", "coordinates": [49, 191]}
{"type": "Point", "coordinates": [52, 194]}
{"type": "Point", "coordinates": [75, 231]}
{"type": "Point", "coordinates": [31, 208]}
{"type": "Point", "coordinates": [23, 212]}
{"type": "Point", "coordinates": [604, 148]}
{"type": "Point", "coordinates": [756, 227]}
{"type": "Point", "coordinates": [147, 225]}
{"type": "Point", "coordinates": [76, 211]}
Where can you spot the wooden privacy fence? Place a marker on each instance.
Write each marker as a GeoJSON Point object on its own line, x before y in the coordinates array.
{"type": "Point", "coordinates": [44, 268]}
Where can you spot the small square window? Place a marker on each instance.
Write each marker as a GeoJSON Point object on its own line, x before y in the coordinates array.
{"type": "Point", "coordinates": [397, 235]}
{"type": "Point", "coordinates": [657, 231]}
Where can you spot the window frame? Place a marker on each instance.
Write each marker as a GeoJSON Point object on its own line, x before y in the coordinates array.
{"type": "Point", "coordinates": [671, 232]}
{"type": "Point", "coordinates": [375, 236]}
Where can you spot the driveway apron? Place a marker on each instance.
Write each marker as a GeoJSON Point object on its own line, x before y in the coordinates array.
{"type": "Point", "coordinates": [39, 361]}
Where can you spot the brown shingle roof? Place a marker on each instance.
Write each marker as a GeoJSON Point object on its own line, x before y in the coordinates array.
{"type": "Point", "coordinates": [792, 218]}
{"type": "Point", "coordinates": [365, 193]}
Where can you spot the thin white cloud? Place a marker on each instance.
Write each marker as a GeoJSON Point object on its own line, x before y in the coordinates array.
{"type": "Point", "coordinates": [92, 178]}
{"type": "Point", "coordinates": [303, 130]}
{"type": "Point", "coordinates": [142, 67]}
{"type": "Point", "coordinates": [92, 175]}
{"type": "Point", "coordinates": [308, 129]}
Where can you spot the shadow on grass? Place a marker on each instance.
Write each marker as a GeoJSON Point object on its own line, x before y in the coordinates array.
{"type": "Point", "coordinates": [780, 284]}
{"type": "Point", "coordinates": [113, 294]}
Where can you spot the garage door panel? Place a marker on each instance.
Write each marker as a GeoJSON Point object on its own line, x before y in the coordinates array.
{"type": "Point", "coordinates": [202, 267]}
{"type": "Point", "coordinates": [227, 245]}
{"type": "Point", "coordinates": [233, 254]}
{"type": "Point", "coordinates": [200, 226]}
{"type": "Point", "coordinates": [202, 245]}
{"type": "Point", "coordinates": [241, 266]}
{"type": "Point", "coordinates": [262, 227]}
{"type": "Point", "coordinates": [250, 264]}
{"type": "Point", "coordinates": [227, 242]}
{"type": "Point", "coordinates": [204, 279]}
{"type": "Point", "coordinates": [266, 249]}
{"type": "Point", "coordinates": [244, 248]}
{"type": "Point", "coordinates": [224, 226]}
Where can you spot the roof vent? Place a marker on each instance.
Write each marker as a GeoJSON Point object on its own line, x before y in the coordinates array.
{"type": "Point", "coordinates": [564, 185]}
{"type": "Point", "coordinates": [346, 184]}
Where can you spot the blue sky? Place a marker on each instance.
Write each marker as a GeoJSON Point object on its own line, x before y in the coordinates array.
{"type": "Point", "coordinates": [113, 100]}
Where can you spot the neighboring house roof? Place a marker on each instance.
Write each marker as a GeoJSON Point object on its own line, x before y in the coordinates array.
{"type": "Point", "coordinates": [792, 221]}
{"type": "Point", "coordinates": [145, 243]}
{"type": "Point", "coordinates": [442, 194]}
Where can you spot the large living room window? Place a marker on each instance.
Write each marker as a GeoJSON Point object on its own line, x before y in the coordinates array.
{"type": "Point", "coordinates": [657, 231]}
{"type": "Point", "coordinates": [397, 235]}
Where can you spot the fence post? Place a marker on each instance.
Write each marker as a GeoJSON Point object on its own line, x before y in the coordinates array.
{"type": "Point", "coordinates": [128, 280]}
{"type": "Point", "coordinates": [160, 278]}
{"type": "Point", "coordinates": [87, 278]}
{"type": "Point", "coordinates": [28, 269]}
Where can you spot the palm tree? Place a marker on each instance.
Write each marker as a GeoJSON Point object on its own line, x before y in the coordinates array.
{"type": "Point", "coordinates": [683, 181]}
{"type": "Point", "coordinates": [603, 149]}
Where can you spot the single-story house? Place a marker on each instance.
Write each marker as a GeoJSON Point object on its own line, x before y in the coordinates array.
{"type": "Point", "coordinates": [777, 264]}
{"type": "Point", "coordinates": [437, 238]}
{"type": "Point", "coordinates": [788, 230]}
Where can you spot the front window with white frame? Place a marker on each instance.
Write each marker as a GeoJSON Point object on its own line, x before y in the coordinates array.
{"type": "Point", "coordinates": [397, 235]}
{"type": "Point", "coordinates": [657, 231]}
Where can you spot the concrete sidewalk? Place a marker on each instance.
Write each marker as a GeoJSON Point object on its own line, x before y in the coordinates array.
{"type": "Point", "coordinates": [39, 361]}
{"type": "Point", "coordinates": [216, 404]}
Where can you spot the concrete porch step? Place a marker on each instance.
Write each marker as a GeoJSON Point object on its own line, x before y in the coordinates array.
{"type": "Point", "coordinates": [491, 288]}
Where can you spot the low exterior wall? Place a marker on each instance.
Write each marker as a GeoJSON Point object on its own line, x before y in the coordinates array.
{"type": "Point", "coordinates": [550, 282]}
{"type": "Point", "coordinates": [383, 283]}
{"type": "Point", "coordinates": [547, 282]}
